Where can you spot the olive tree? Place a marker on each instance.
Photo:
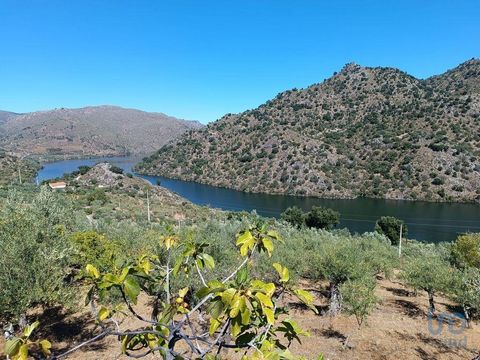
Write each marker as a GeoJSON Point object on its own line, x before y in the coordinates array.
{"type": "Point", "coordinates": [35, 252]}
{"type": "Point", "coordinates": [428, 271]}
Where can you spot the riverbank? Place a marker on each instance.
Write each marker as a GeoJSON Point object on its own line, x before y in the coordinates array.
{"type": "Point", "coordinates": [427, 221]}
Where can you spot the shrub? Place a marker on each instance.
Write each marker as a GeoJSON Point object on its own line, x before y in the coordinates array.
{"type": "Point", "coordinates": [294, 216]}
{"type": "Point", "coordinates": [466, 250]}
{"type": "Point", "coordinates": [390, 227]}
{"type": "Point", "coordinates": [116, 169]}
{"type": "Point", "coordinates": [322, 218]}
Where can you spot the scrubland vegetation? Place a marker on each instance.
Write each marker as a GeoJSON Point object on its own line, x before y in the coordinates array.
{"type": "Point", "coordinates": [211, 285]}
{"type": "Point", "coordinates": [349, 136]}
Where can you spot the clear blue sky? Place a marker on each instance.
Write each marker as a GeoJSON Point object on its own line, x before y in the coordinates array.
{"type": "Point", "coordinates": [201, 59]}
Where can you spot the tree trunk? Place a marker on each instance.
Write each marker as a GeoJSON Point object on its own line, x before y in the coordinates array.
{"type": "Point", "coordinates": [431, 309]}
{"type": "Point", "coordinates": [335, 301]}
{"type": "Point", "coordinates": [467, 316]}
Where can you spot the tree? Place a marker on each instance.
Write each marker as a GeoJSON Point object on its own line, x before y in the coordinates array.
{"type": "Point", "coordinates": [243, 312]}
{"type": "Point", "coordinates": [390, 227]}
{"type": "Point", "coordinates": [430, 272]}
{"type": "Point", "coordinates": [294, 216]}
{"type": "Point", "coordinates": [338, 262]}
{"type": "Point", "coordinates": [467, 291]}
{"type": "Point", "coordinates": [466, 250]}
{"type": "Point", "coordinates": [36, 253]}
{"type": "Point", "coordinates": [322, 218]}
{"type": "Point", "coordinates": [359, 297]}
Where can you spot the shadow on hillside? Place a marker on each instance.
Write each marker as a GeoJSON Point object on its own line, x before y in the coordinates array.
{"type": "Point", "coordinates": [409, 308]}
{"type": "Point", "coordinates": [400, 292]}
{"type": "Point", "coordinates": [63, 329]}
{"type": "Point", "coordinates": [331, 334]}
{"type": "Point", "coordinates": [322, 309]}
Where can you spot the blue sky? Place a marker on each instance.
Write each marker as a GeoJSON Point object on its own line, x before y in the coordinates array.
{"type": "Point", "coordinates": [201, 59]}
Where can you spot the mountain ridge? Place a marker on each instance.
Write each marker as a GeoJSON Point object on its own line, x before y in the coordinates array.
{"type": "Point", "coordinates": [104, 130]}
{"type": "Point", "coordinates": [366, 131]}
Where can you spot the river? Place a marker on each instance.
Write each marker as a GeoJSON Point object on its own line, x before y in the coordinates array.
{"type": "Point", "coordinates": [431, 222]}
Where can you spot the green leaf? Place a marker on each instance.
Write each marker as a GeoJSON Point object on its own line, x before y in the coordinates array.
{"type": "Point", "coordinates": [23, 352]}
{"type": "Point", "coordinates": [131, 287]}
{"type": "Point", "coordinates": [282, 272]}
{"type": "Point", "coordinates": [12, 346]}
{"type": "Point", "coordinates": [103, 313]}
{"type": "Point", "coordinates": [268, 245]}
{"type": "Point", "coordinates": [29, 329]}
{"type": "Point", "coordinates": [183, 292]}
{"type": "Point", "coordinates": [209, 261]}
{"type": "Point", "coordinates": [45, 345]}
{"type": "Point", "coordinates": [92, 271]}
{"type": "Point", "coordinates": [269, 313]}
{"type": "Point", "coordinates": [245, 314]}
{"type": "Point", "coordinates": [214, 324]}
{"type": "Point", "coordinates": [306, 298]}
{"type": "Point", "coordinates": [264, 300]}
{"type": "Point", "coordinates": [227, 296]}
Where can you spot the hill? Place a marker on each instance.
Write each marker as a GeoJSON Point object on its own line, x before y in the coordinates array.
{"type": "Point", "coordinates": [374, 132]}
{"type": "Point", "coordinates": [105, 191]}
{"type": "Point", "coordinates": [89, 131]}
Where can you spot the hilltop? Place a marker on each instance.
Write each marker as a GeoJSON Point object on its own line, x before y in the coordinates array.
{"type": "Point", "coordinates": [366, 131]}
{"type": "Point", "coordinates": [89, 131]}
{"type": "Point", "coordinates": [105, 191]}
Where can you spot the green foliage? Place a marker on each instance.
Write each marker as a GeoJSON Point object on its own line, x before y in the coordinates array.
{"type": "Point", "coordinates": [242, 307]}
{"type": "Point", "coordinates": [90, 247]}
{"type": "Point", "coordinates": [466, 250]}
{"type": "Point", "coordinates": [429, 270]}
{"type": "Point", "coordinates": [18, 347]}
{"type": "Point", "coordinates": [466, 291]}
{"type": "Point", "coordinates": [35, 257]}
{"type": "Point", "coordinates": [359, 298]}
{"type": "Point", "coordinates": [390, 227]}
{"type": "Point", "coordinates": [322, 218]}
{"type": "Point", "coordinates": [294, 216]}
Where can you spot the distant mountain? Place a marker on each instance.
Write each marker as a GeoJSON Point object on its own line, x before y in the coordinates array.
{"type": "Point", "coordinates": [89, 131]}
{"type": "Point", "coordinates": [374, 132]}
{"type": "Point", "coordinates": [6, 115]}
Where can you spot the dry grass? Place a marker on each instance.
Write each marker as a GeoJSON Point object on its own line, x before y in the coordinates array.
{"type": "Point", "coordinates": [397, 329]}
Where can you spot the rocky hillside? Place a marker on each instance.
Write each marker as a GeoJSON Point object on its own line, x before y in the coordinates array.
{"type": "Point", "coordinates": [375, 132]}
{"type": "Point", "coordinates": [90, 131]}
{"type": "Point", "coordinates": [105, 191]}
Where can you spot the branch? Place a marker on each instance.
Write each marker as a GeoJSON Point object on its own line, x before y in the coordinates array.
{"type": "Point", "coordinates": [96, 338]}
{"type": "Point", "coordinates": [139, 317]}
{"type": "Point", "coordinates": [209, 296]}
{"type": "Point", "coordinates": [200, 274]}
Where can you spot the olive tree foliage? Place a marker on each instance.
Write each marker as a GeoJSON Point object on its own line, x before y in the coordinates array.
{"type": "Point", "coordinates": [390, 227]}
{"type": "Point", "coordinates": [466, 291]}
{"type": "Point", "coordinates": [237, 311]}
{"type": "Point", "coordinates": [429, 270]}
{"type": "Point", "coordinates": [351, 264]}
{"type": "Point", "coordinates": [34, 252]}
